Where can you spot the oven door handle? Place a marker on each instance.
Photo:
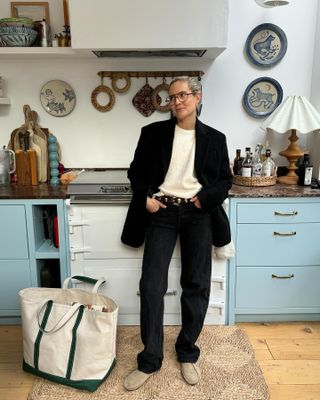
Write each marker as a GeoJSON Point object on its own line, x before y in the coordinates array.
{"type": "Point", "coordinates": [75, 250]}
{"type": "Point", "coordinates": [169, 292]}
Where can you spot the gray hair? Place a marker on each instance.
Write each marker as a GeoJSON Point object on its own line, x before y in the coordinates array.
{"type": "Point", "coordinates": [193, 83]}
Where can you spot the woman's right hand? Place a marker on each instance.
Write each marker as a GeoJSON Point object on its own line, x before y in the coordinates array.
{"type": "Point", "coordinates": [153, 205]}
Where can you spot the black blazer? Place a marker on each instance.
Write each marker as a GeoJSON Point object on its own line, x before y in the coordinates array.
{"type": "Point", "coordinates": [149, 167]}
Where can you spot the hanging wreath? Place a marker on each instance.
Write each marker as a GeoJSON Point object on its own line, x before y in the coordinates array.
{"type": "Point", "coordinates": [103, 89]}
{"type": "Point", "coordinates": [155, 98]}
{"type": "Point", "coordinates": [120, 75]}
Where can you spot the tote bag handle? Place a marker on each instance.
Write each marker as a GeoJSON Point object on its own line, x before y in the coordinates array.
{"type": "Point", "coordinates": [61, 323]}
{"type": "Point", "coordinates": [96, 282]}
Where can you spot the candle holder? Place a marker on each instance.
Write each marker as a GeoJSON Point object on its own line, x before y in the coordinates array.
{"type": "Point", "coordinates": [53, 160]}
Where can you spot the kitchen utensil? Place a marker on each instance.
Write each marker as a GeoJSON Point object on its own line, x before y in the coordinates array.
{"type": "Point", "coordinates": [23, 168]}
{"type": "Point", "coordinates": [120, 75]}
{"type": "Point", "coordinates": [40, 167]}
{"type": "Point", "coordinates": [40, 139]}
{"type": "Point", "coordinates": [155, 97]}
{"type": "Point", "coordinates": [102, 89]}
{"type": "Point", "coordinates": [142, 100]}
{"type": "Point", "coordinates": [32, 157]}
{"type": "Point", "coordinates": [14, 143]}
{"type": "Point", "coordinates": [7, 165]}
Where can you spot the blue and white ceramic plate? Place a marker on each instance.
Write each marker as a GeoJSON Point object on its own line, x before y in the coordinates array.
{"type": "Point", "coordinates": [57, 98]}
{"type": "Point", "coordinates": [266, 45]}
{"type": "Point", "coordinates": [262, 97]}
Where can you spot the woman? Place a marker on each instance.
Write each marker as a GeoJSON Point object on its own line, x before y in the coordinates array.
{"type": "Point", "coordinates": [180, 175]}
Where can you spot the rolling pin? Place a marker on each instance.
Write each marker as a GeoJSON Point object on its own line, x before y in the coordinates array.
{"type": "Point", "coordinates": [32, 157]}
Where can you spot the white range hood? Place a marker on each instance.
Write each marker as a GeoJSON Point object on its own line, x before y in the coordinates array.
{"type": "Point", "coordinates": [146, 28]}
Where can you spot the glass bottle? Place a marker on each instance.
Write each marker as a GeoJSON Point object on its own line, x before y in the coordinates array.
{"type": "Point", "coordinates": [246, 169]}
{"type": "Point", "coordinates": [256, 161]}
{"type": "Point", "coordinates": [263, 151]}
{"type": "Point", "coordinates": [268, 165]}
{"type": "Point", "coordinates": [237, 163]}
{"type": "Point", "coordinates": [305, 171]}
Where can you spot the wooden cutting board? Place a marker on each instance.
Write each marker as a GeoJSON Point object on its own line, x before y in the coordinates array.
{"type": "Point", "coordinates": [32, 159]}
{"type": "Point", "coordinates": [23, 168]}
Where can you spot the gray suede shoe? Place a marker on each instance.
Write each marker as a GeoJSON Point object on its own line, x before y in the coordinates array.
{"type": "Point", "coordinates": [136, 379]}
{"type": "Point", "coordinates": [190, 372]}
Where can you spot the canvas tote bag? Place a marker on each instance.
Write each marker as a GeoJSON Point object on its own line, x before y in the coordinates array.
{"type": "Point", "coordinates": [69, 335]}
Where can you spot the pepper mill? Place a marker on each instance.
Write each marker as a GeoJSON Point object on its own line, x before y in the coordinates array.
{"type": "Point", "coordinates": [53, 157]}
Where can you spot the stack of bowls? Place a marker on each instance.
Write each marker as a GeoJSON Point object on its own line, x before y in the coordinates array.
{"type": "Point", "coordinates": [17, 32]}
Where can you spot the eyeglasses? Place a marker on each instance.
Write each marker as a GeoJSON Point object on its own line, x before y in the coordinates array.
{"type": "Point", "coordinates": [181, 96]}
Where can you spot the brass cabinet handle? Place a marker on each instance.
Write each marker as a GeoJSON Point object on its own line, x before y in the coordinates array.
{"type": "Point", "coordinates": [284, 233]}
{"type": "Point", "coordinates": [169, 292]}
{"type": "Point", "coordinates": [290, 276]}
{"type": "Point", "coordinates": [286, 214]}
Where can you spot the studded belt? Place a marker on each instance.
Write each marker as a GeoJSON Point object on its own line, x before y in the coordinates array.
{"type": "Point", "coordinates": [171, 200]}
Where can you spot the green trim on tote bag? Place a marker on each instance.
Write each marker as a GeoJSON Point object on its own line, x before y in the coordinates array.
{"type": "Point", "coordinates": [74, 342]}
{"type": "Point", "coordinates": [87, 384]}
{"type": "Point", "coordinates": [40, 334]}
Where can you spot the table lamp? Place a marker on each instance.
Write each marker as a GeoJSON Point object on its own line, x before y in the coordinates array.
{"type": "Point", "coordinates": [296, 113]}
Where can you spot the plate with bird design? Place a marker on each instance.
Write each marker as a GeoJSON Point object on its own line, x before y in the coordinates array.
{"type": "Point", "coordinates": [57, 98]}
{"type": "Point", "coordinates": [266, 45]}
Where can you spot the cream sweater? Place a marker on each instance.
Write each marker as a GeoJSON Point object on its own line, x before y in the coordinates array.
{"type": "Point", "coordinates": [180, 180]}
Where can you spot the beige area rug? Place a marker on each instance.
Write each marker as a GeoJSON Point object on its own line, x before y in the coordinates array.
{"type": "Point", "coordinates": [229, 371]}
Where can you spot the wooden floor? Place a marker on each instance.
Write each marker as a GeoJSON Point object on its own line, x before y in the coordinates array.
{"type": "Point", "coordinates": [288, 353]}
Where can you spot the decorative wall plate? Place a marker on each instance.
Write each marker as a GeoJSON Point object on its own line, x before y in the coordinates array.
{"type": "Point", "coordinates": [57, 98]}
{"type": "Point", "coordinates": [262, 97]}
{"type": "Point", "coordinates": [266, 45]}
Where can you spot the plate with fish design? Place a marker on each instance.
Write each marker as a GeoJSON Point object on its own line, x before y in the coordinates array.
{"type": "Point", "coordinates": [57, 98]}
{"type": "Point", "coordinates": [266, 45]}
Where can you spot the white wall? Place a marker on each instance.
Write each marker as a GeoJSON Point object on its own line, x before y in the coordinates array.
{"type": "Point", "coordinates": [314, 138]}
{"type": "Point", "coordinates": [89, 138]}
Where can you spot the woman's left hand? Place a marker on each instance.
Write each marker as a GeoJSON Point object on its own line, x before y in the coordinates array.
{"type": "Point", "coordinates": [196, 201]}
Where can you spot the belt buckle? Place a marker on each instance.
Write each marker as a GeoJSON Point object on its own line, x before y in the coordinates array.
{"type": "Point", "coordinates": [176, 201]}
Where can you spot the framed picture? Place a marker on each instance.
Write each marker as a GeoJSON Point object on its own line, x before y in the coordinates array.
{"type": "Point", "coordinates": [66, 12]}
{"type": "Point", "coordinates": [262, 96]}
{"type": "Point", "coordinates": [37, 11]}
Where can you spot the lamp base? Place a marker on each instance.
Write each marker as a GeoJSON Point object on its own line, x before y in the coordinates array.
{"type": "Point", "coordinates": [288, 180]}
{"type": "Point", "coordinates": [292, 153]}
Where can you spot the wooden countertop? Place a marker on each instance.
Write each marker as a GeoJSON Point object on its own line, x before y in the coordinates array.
{"type": "Point", "coordinates": [42, 191]}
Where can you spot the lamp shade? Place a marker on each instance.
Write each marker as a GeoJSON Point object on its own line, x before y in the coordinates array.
{"type": "Point", "coordinates": [296, 112]}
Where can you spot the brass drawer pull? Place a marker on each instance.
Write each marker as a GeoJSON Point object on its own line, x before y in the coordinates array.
{"type": "Point", "coordinates": [290, 276]}
{"type": "Point", "coordinates": [169, 292]}
{"type": "Point", "coordinates": [285, 214]}
{"type": "Point", "coordinates": [284, 233]}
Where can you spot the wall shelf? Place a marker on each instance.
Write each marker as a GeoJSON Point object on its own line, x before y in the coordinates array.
{"type": "Point", "coordinates": [44, 52]}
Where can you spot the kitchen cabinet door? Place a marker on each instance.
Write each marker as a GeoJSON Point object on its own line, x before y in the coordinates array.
{"type": "Point", "coordinates": [15, 275]}
{"type": "Point", "coordinates": [13, 232]}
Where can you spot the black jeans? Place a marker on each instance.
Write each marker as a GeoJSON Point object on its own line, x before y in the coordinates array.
{"type": "Point", "coordinates": [194, 229]}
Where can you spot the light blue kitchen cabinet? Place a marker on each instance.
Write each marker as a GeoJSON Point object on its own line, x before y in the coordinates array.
{"type": "Point", "coordinates": [25, 249]}
{"type": "Point", "coordinates": [275, 275]}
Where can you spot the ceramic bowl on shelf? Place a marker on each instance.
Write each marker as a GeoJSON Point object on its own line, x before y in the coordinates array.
{"type": "Point", "coordinates": [17, 24]}
{"type": "Point", "coordinates": [23, 20]}
{"type": "Point", "coordinates": [17, 36]}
